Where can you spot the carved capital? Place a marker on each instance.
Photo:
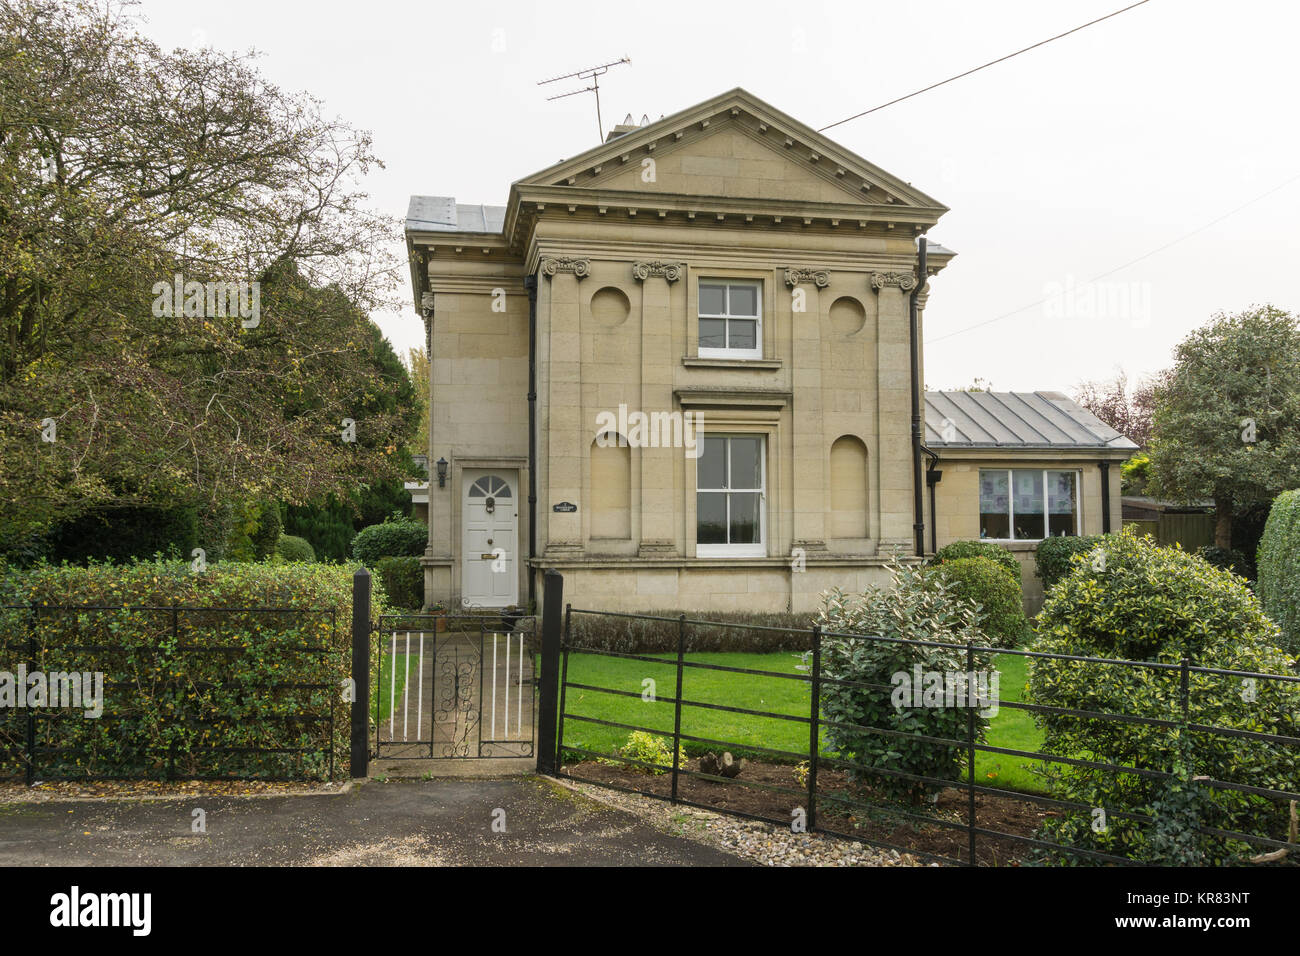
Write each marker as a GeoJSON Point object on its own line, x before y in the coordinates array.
{"type": "Point", "coordinates": [794, 276]}
{"type": "Point", "coordinates": [426, 305]}
{"type": "Point", "coordinates": [903, 280]}
{"type": "Point", "coordinates": [668, 271]}
{"type": "Point", "coordinates": [553, 264]}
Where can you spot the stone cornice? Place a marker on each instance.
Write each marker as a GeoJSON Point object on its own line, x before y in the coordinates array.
{"type": "Point", "coordinates": [903, 280]}
{"type": "Point", "coordinates": [669, 271]}
{"type": "Point", "coordinates": [551, 265]}
{"type": "Point", "coordinates": [794, 276]}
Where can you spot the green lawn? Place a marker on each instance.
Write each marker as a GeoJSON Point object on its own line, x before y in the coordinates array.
{"type": "Point", "coordinates": [1010, 728]}
{"type": "Point", "coordinates": [380, 703]}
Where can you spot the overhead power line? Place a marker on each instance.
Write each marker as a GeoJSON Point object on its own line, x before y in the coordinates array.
{"type": "Point", "coordinates": [985, 66]}
{"type": "Point", "coordinates": [1131, 262]}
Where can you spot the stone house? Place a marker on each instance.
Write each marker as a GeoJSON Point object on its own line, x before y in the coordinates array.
{"type": "Point", "coordinates": [683, 368]}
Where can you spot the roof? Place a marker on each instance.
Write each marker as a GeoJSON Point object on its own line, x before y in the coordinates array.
{"type": "Point", "coordinates": [444, 214]}
{"type": "Point", "coordinates": [1014, 420]}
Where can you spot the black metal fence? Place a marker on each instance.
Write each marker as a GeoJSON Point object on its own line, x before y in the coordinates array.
{"type": "Point", "coordinates": [184, 692]}
{"type": "Point", "coordinates": [965, 822]}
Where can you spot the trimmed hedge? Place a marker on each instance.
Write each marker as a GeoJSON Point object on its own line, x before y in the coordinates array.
{"type": "Point", "coordinates": [399, 538]}
{"type": "Point", "coordinates": [293, 548]}
{"type": "Point", "coordinates": [169, 709]}
{"type": "Point", "coordinates": [986, 583]}
{"type": "Point", "coordinates": [403, 581]}
{"type": "Point", "coordinates": [1053, 556]}
{"type": "Point", "coordinates": [633, 636]}
{"type": "Point", "coordinates": [1278, 563]}
{"type": "Point", "coordinates": [1133, 600]}
{"type": "Point", "coordinates": [979, 549]}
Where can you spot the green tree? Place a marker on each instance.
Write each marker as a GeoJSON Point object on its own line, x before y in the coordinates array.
{"type": "Point", "coordinates": [1227, 416]}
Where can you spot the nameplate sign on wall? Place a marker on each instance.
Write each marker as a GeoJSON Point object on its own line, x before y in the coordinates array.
{"type": "Point", "coordinates": [568, 507]}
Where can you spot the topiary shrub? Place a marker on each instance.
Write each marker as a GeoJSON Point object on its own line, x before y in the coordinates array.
{"type": "Point", "coordinates": [1130, 599]}
{"type": "Point", "coordinates": [1278, 564]}
{"type": "Point", "coordinates": [917, 607]}
{"type": "Point", "coordinates": [292, 548]}
{"type": "Point", "coordinates": [987, 584]}
{"type": "Point", "coordinates": [1052, 557]}
{"type": "Point", "coordinates": [979, 549]}
{"type": "Point", "coordinates": [395, 538]}
{"type": "Point", "coordinates": [403, 581]}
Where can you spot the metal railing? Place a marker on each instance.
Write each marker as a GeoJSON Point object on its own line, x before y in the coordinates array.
{"type": "Point", "coordinates": [981, 839]}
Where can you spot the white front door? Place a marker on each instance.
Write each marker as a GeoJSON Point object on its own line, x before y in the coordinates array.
{"type": "Point", "coordinates": [489, 538]}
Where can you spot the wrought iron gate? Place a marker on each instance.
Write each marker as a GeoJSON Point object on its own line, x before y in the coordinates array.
{"type": "Point", "coordinates": [455, 686]}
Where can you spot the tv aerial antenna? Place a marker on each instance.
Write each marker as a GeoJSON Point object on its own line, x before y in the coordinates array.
{"type": "Point", "coordinates": [592, 73]}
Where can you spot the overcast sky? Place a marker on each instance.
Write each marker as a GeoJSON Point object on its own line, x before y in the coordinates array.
{"type": "Point", "coordinates": [1059, 165]}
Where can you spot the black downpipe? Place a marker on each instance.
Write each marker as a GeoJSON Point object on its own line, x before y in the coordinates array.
{"type": "Point", "coordinates": [918, 505]}
{"type": "Point", "coordinates": [1105, 496]}
{"type": "Point", "coordinates": [932, 477]}
{"type": "Point", "coordinates": [530, 283]}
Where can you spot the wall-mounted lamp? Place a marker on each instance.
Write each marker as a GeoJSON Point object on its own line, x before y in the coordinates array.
{"type": "Point", "coordinates": [441, 465]}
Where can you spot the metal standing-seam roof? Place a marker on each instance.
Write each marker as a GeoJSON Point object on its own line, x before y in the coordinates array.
{"type": "Point", "coordinates": [1014, 420]}
{"type": "Point", "coordinates": [444, 214]}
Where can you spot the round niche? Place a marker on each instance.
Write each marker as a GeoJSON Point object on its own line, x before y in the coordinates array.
{"type": "Point", "coordinates": [847, 316]}
{"type": "Point", "coordinates": [610, 308]}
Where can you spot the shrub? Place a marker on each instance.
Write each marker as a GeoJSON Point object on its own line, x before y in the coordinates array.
{"type": "Point", "coordinates": [635, 636]}
{"type": "Point", "coordinates": [403, 581]}
{"type": "Point", "coordinates": [267, 534]}
{"type": "Point", "coordinates": [292, 548]}
{"type": "Point", "coordinates": [987, 584]}
{"type": "Point", "coordinates": [918, 607]}
{"type": "Point", "coordinates": [1131, 599]}
{"type": "Point", "coordinates": [149, 676]}
{"type": "Point", "coordinates": [395, 538]}
{"type": "Point", "coordinates": [1278, 562]}
{"type": "Point", "coordinates": [120, 534]}
{"type": "Point", "coordinates": [648, 748]}
{"type": "Point", "coordinates": [1053, 556]}
{"type": "Point", "coordinates": [979, 549]}
{"type": "Point", "coordinates": [1232, 560]}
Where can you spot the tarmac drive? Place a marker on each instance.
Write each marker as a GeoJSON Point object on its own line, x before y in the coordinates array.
{"type": "Point", "coordinates": [445, 822]}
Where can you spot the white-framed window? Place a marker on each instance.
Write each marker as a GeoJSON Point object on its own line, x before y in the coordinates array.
{"type": "Point", "coordinates": [731, 486]}
{"type": "Point", "coordinates": [1023, 504]}
{"type": "Point", "coordinates": [731, 318]}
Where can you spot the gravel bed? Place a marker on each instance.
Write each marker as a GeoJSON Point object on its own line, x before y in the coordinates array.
{"type": "Point", "coordinates": [764, 843]}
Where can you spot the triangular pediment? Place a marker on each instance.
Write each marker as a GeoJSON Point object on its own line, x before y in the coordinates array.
{"type": "Point", "coordinates": [738, 147]}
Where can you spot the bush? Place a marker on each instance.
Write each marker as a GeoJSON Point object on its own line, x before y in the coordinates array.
{"type": "Point", "coordinates": [1278, 562]}
{"type": "Point", "coordinates": [120, 534]}
{"type": "Point", "coordinates": [1232, 560]}
{"type": "Point", "coordinates": [1131, 599]}
{"type": "Point", "coordinates": [1053, 556]}
{"type": "Point", "coordinates": [979, 549]}
{"type": "Point", "coordinates": [395, 538]}
{"type": "Point", "coordinates": [987, 584]}
{"type": "Point", "coordinates": [648, 748]}
{"type": "Point", "coordinates": [149, 676]}
{"type": "Point", "coordinates": [635, 636]}
{"type": "Point", "coordinates": [292, 548]}
{"type": "Point", "coordinates": [403, 581]}
{"type": "Point", "coordinates": [918, 607]}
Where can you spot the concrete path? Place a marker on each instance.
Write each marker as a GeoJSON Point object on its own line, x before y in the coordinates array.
{"type": "Point", "coordinates": [400, 823]}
